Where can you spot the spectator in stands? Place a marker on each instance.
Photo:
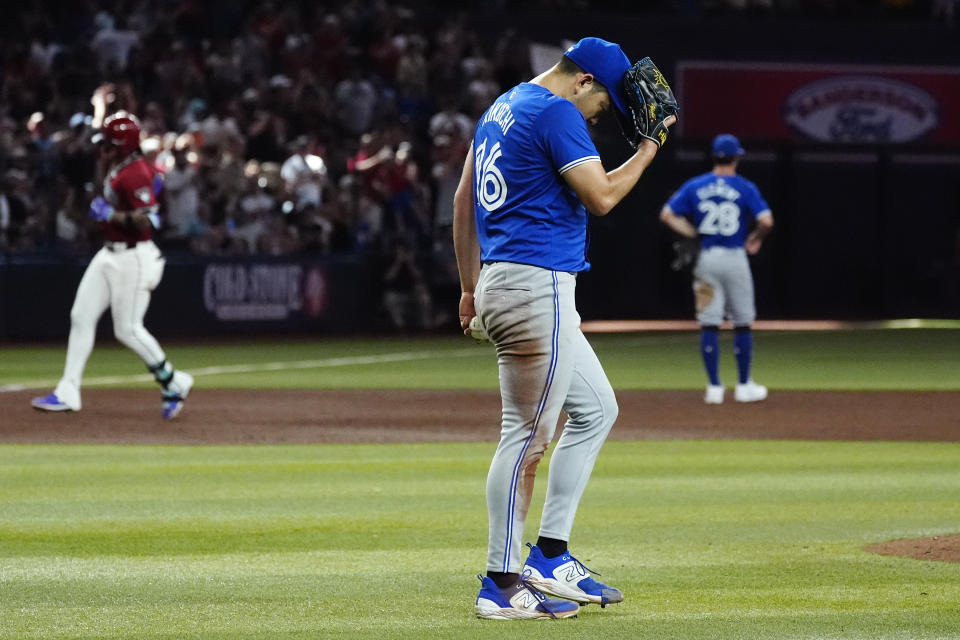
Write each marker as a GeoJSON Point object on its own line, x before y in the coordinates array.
{"type": "Point", "coordinates": [406, 295]}
{"type": "Point", "coordinates": [367, 220]}
{"type": "Point", "coordinates": [221, 179]}
{"type": "Point", "coordinates": [447, 154]}
{"type": "Point", "coordinates": [44, 155]}
{"type": "Point", "coordinates": [413, 100]}
{"type": "Point", "coordinates": [249, 220]}
{"type": "Point", "coordinates": [112, 45]}
{"type": "Point", "coordinates": [482, 90]}
{"type": "Point", "coordinates": [266, 135]}
{"type": "Point", "coordinates": [450, 121]}
{"type": "Point", "coordinates": [181, 195]}
{"type": "Point", "coordinates": [279, 238]}
{"type": "Point", "coordinates": [27, 227]}
{"type": "Point", "coordinates": [356, 102]}
{"type": "Point", "coordinates": [304, 174]}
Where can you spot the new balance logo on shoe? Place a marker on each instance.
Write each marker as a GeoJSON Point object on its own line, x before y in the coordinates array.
{"type": "Point", "coordinates": [524, 599]}
{"type": "Point", "coordinates": [572, 572]}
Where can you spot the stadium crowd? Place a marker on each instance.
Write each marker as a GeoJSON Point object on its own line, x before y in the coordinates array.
{"type": "Point", "coordinates": [302, 129]}
{"type": "Point", "coordinates": [280, 127]}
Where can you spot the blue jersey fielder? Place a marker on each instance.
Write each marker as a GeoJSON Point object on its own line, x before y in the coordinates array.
{"type": "Point", "coordinates": [726, 212]}
{"type": "Point", "coordinates": [722, 208]}
{"type": "Point", "coordinates": [525, 211]}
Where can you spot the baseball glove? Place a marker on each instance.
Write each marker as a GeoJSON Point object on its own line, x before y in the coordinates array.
{"type": "Point", "coordinates": [650, 102]}
{"type": "Point", "coordinates": [685, 253]}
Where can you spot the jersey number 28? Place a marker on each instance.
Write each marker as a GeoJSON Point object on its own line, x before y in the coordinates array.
{"type": "Point", "coordinates": [491, 187]}
{"type": "Point", "coordinates": [721, 218]}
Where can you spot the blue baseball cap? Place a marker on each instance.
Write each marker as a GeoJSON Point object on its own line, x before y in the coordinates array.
{"type": "Point", "coordinates": [607, 63]}
{"type": "Point", "coordinates": [726, 145]}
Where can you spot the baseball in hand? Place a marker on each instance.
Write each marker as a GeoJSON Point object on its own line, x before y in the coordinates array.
{"type": "Point", "coordinates": [477, 331]}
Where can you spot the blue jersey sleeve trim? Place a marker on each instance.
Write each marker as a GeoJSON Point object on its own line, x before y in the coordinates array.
{"type": "Point", "coordinates": [578, 162]}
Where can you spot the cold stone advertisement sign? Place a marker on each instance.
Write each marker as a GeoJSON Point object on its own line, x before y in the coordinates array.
{"type": "Point", "coordinates": [265, 292]}
{"type": "Point", "coordinates": [252, 291]}
{"type": "Point", "coordinates": [833, 104]}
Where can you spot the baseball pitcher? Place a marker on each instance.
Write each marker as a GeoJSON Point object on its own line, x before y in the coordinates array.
{"type": "Point", "coordinates": [719, 208]}
{"type": "Point", "coordinates": [520, 225]}
{"type": "Point", "coordinates": [122, 274]}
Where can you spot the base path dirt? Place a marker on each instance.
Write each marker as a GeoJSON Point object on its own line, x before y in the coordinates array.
{"type": "Point", "coordinates": [385, 416]}
{"type": "Point", "coordinates": [355, 416]}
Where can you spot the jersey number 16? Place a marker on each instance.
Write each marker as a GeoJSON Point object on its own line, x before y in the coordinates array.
{"type": "Point", "coordinates": [491, 187]}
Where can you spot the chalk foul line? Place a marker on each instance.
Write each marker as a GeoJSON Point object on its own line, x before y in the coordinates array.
{"type": "Point", "coordinates": [288, 365]}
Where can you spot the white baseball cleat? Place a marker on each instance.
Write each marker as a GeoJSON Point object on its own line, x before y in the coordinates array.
{"type": "Point", "coordinates": [714, 394]}
{"type": "Point", "coordinates": [176, 393]}
{"type": "Point", "coordinates": [51, 402]}
{"type": "Point", "coordinates": [750, 391]}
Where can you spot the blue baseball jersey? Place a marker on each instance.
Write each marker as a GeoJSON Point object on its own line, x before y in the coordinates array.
{"type": "Point", "coordinates": [525, 211]}
{"type": "Point", "coordinates": [722, 208]}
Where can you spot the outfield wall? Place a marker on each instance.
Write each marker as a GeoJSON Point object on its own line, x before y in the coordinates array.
{"type": "Point", "coordinates": [210, 297]}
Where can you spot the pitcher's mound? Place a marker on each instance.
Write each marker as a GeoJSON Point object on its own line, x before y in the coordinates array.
{"type": "Point", "coordinates": [942, 548]}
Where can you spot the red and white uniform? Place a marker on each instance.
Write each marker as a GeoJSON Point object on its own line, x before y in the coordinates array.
{"type": "Point", "coordinates": [121, 276]}
{"type": "Point", "coordinates": [123, 273]}
{"type": "Point", "coordinates": [129, 187]}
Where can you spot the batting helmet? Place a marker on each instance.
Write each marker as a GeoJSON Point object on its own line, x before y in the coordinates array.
{"type": "Point", "coordinates": [122, 130]}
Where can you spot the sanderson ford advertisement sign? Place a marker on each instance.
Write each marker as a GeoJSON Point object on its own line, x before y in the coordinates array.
{"type": "Point", "coordinates": [839, 104]}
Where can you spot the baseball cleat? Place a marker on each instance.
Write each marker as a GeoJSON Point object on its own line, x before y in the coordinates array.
{"type": "Point", "coordinates": [714, 394]}
{"type": "Point", "coordinates": [566, 577]}
{"type": "Point", "coordinates": [172, 406]}
{"type": "Point", "coordinates": [750, 391]}
{"type": "Point", "coordinates": [176, 393]}
{"type": "Point", "coordinates": [50, 403]}
{"type": "Point", "coordinates": [519, 602]}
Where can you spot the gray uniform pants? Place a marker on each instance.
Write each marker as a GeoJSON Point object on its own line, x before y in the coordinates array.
{"type": "Point", "coordinates": [546, 365]}
{"type": "Point", "coordinates": [723, 286]}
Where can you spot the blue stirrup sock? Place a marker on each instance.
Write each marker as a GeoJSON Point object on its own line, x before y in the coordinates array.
{"type": "Point", "coordinates": [710, 350]}
{"type": "Point", "coordinates": [743, 350]}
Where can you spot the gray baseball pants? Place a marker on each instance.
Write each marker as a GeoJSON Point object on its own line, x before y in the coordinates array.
{"type": "Point", "coordinates": [546, 365]}
{"type": "Point", "coordinates": [723, 287]}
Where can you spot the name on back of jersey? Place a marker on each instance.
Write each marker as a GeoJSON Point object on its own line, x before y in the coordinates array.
{"type": "Point", "coordinates": [718, 188]}
{"type": "Point", "coordinates": [501, 114]}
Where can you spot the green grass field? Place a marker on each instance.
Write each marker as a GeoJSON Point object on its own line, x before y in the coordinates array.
{"type": "Point", "coordinates": [708, 539]}
{"type": "Point", "coordinates": [851, 360]}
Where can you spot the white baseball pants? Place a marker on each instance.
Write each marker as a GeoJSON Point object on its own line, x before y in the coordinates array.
{"type": "Point", "coordinates": [123, 281]}
{"type": "Point", "coordinates": [546, 365]}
